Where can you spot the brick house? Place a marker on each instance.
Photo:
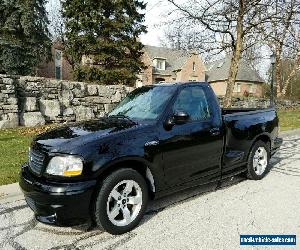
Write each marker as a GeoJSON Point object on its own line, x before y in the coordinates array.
{"type": "Point", "coordinates": [58, 68]}
{"type": "Point", "coordinates": [171, 65]}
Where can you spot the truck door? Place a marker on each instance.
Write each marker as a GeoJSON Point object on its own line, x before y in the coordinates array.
{"type": "Point", "coordinates": [193, 150]}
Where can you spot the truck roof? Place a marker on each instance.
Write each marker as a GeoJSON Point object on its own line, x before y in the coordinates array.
{"type": "Point", "coordinates": [167, 84]}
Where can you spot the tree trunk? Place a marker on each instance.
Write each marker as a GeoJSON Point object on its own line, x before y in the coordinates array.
{"type": "Point", "coordinates": [278, 85]}
{"type": "Point", "coordinates": [291, 75]}
{"type": "Point", "coordinates": [234, 66]}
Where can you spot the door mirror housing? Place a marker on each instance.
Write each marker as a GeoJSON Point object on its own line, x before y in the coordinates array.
{"type": "Point", "coordinates": [180, 117]}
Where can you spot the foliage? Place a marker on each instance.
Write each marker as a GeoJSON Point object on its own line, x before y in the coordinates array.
{"type": "Point", "coordinates": [102, 39]}
{"type": "Point", "coordinates": [24, 36]}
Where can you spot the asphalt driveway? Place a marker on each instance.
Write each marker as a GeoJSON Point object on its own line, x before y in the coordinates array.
{"type": "Point", "coordinates": [187, 220]}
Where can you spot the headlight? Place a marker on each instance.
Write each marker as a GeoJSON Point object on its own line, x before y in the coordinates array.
{"type": "Point", "coordinates": [65, 166]}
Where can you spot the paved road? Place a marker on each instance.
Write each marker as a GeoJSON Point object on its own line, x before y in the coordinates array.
{"type": "Point", "coordinates": [187, 220]}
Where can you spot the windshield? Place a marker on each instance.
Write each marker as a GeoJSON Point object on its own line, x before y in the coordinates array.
{"type": "Point", "coordinates": [145, 103]}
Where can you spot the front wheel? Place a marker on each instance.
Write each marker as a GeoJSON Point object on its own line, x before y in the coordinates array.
{"type": "Point", "coordinates": [258, 160]}
{"type": "Point", "coordinates": [121, 201]}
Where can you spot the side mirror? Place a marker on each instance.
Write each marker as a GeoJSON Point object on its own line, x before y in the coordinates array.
{"type": "Point", "coordinates": [180, 117]}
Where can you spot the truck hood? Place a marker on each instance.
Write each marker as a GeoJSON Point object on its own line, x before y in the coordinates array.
{"type": "Point", "coordinates": [66, 138]}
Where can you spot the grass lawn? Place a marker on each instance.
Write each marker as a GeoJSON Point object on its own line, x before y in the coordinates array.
{"type": "Point", "coordinates": [14, 144]}
{"type": "Point", "coordinates": [289, 119]}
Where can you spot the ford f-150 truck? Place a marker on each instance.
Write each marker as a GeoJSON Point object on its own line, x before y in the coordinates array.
{"type": "Point", "coordinates": [160, 139]}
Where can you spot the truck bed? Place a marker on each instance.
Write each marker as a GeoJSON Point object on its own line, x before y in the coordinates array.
{"type": "Point", "coordinates": [242, 126]}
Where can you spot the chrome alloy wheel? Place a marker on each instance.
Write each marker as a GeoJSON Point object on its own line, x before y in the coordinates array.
{"type": "Point", "coordinates": [124, 203]}
{"type": "Point", "coordinates": [260, 160]}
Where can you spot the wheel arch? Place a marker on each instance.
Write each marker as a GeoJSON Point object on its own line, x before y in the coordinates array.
{"type": "Point", "coordinates": [265, 137]}
{"type": "Point", "coordinates": [139, 165]}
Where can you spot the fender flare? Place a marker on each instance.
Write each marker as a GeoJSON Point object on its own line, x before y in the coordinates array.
{"type": "Point", "coordinates": [147, 172]}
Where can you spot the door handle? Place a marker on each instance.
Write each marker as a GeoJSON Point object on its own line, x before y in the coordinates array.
{"type": "Point", "coordinates": [215, 131]}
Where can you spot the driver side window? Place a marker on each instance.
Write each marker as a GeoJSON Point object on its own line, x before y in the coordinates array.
{"type": "Point", "coordinates": [193, 101]}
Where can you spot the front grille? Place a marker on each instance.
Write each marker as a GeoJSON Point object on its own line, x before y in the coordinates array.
{"type": "Point", "coordinates": [36, 161]}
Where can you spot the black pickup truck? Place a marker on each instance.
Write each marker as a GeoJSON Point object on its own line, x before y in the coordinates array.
{"type": "Point", "coordinates": [160, 139]}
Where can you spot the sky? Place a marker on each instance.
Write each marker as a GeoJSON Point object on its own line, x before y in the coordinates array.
{"type": "Point", "coordinates": [154, 10]}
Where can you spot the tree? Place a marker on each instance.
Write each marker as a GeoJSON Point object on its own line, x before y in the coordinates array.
{"type": "Point", "coordinates": [183, 34]}
{"type": "Point", "coordinates": [179, 36]}
{"type": "Point", "coordinates": [179, 33]}
{"type": "Point", "coordinates": [233, 23]}
{"type": "Point", "coordinates": [290, 76]}
{"type": "Point", "coordinates": [24, 36]}
{"type": "Point", "coordinates": [281, 34]}
{"type": "Point", "coordinates": [102, 39]}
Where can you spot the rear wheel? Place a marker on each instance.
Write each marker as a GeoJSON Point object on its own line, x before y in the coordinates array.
{"type": "Point", "coordinates": [121, 201]}
{"type": "Point", "coordinates": [258, 161]}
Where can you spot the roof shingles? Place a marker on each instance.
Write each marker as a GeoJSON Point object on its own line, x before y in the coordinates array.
{"type": "Point", "coordinates": [175, 59]}
{"type": "Point", "coordinates": [219, 71]}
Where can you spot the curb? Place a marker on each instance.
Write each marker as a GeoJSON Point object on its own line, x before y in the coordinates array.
{"type": "Point", "coordinates": [12, 192]}
{"type": "Point", "coordinates": [290, 132]}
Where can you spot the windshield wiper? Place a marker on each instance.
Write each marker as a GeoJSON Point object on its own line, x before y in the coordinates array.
{"type": "Point", "coordinates": [122, 117]}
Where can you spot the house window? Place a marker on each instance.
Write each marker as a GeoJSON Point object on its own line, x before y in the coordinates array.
{"type": "Point", "coordinates": [58, 55]}
{"type": "Point", "coordinates": [194, 66]}
{"type": "Point", "coordinates": [252, 88]}
{"type": "Point", "coordinates": [160, 63]}
{"type": "Point", "coordinates": [58, 64]}
{"type": "Point", "coordinates": [237, 87]}
{"type": "Point", "coordinates": [58, 73]}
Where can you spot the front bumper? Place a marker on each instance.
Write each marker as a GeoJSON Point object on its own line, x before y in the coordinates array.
{"type": "Point", "coordinates": [55, 202]}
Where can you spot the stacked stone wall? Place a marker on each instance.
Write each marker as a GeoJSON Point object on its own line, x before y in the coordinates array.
{"type": "Point", "coordinates": [33, 101]}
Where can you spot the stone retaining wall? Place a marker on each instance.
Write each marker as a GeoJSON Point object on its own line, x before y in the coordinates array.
{"type": "Point", "coordinates": [252, 102]}
{"type": "Point", "coordinates": [9, 111]}
{"type": "Point", "coordinates": [33, 101]}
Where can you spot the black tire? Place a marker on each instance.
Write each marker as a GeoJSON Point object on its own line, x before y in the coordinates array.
{"type": "Point", "coordinates": [251, 174]}
{"type": "Point", "coordinates": [100, 205]}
